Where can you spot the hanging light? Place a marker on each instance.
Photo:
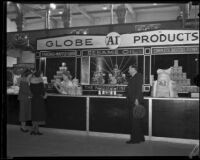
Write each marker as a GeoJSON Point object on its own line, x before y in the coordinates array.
{"type": "Point", "coordinates": [52, 6]}
{"type": "Point", "coordinates": [104, 7]}
{"type": "Point", "coordinates": [84, 32]}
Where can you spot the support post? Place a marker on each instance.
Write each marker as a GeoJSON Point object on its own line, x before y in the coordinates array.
{"type": "Point", "coordinates": [66, 17]}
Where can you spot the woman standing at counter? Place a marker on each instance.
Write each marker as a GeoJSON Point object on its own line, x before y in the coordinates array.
{"type": "Point", "coordinates": [37, 102]}
{"type": "Point", "coordinates": [135, 97]}
{"type": "Point", "coordinates": [25, 101]}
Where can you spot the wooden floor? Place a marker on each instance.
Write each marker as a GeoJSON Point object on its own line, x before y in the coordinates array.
{"type": "Point", "coordinates": [64, 144]}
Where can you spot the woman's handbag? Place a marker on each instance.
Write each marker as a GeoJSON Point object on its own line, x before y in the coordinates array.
{"type": "Point", "coordinates": [139, 111]}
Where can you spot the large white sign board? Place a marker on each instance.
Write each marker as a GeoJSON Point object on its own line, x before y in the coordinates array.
{"type": "Point", "coordinates": [150, 38]}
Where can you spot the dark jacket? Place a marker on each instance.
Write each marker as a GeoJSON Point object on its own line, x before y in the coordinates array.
{"type": "Point", "coordinates": [24, 90]}
{"type": "Point", "coordinates": [134, 89]}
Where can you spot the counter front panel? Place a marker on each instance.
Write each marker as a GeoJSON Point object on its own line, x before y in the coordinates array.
{"type": "Point", "coordinates": [66, 112]}
{"type": "Point", "coordinates": [175, 118]}
{"type": "Point", "coordinates": [12, 109]}
{"type": "Point", "coordinates": [111, 115]}
{"type": "Point", "coordinates": [169, 117]}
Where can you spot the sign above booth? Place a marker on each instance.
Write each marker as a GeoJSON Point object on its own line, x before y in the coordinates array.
{"type": "Point", "coordinates": [175, 50]}
{"type": "Point", "coordinates": [113, 40]}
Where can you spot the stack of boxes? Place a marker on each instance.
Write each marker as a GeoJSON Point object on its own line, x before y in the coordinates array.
{"type": "Point", "coordinates": [71, 90]}
{"type": "Point", "coordinates": [58, 75]}
{"type": "Point", "coordinates": [180, 77]}
{"type": "Point", "coordinates": [59, 72]}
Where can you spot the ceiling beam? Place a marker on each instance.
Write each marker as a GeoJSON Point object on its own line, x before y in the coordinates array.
{"type": "Point", "coordinates": [29, 9]}
{"type": "Point", "coordinates": [101, 11]}
{"type": "Point", "coordinates": [41, 13]}
{"type": "Point", "coordinates": [83, 12]}
{"type": "Point", "coordinates": [87, 13]}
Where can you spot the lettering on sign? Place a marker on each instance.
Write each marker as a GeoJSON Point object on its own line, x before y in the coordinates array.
{"type": "Point", "coordinates": [68, 42]}
{"type": "Point", "coordinates": [88, 87]}
{"type": "Point", "coordinates": [165, 37]}
{"type": "Point", "coordinates": [101, 52]}
{"type": "Point", "coordinates": [112, 52]}
{"type": "Point", "coordinates": [113, 40]}
{"type": "Point", "coordinates": [130, 51]}
{"type": "Point", "coordinates": [105, 87]}
{"type": "Point", "coordinates": [58, 54]}
{"type": "Point", "coordinates": [175, 50]}
{"type": "Point", "coordinates": [24, 65]}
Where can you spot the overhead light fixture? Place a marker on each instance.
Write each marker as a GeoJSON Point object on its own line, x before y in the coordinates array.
{"type": "Point", "coordinates": [85, 32]}
{"type": "Point", "coordinates": [52, 6]}
{"type": "Point", "coordinates": [155, 4]}
{"type": "Point", "coordinates": [104, 7]}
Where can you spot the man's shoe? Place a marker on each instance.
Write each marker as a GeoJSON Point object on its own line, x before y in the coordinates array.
{"type": "Point", "coordinates": [39, 133]}
{"type": "Point", "coordinates": [132, 142]}
{"type": "Point", "coordinates": [33, 133]}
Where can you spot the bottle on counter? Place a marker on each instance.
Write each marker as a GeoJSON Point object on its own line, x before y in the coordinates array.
{"type": "Point", "coordinates": [106, 91]}
{"type": "Point", "coordinates": [111, 91]}
{"type": "Point", "coordinates": [99, 91]}
{"type": "Point", "coordinates": [103, 91]}
{"type": "Point", "coordinates": [114, 91]}
{"type": "Point", "coordinates": [79, 90]}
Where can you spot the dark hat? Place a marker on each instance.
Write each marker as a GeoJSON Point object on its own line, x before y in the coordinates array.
{"type": "Point", "coordinates": [134, 66]}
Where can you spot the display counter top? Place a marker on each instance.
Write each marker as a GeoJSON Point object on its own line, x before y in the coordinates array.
{"type": "Point", "coordinates": [12, 93]}
{"type": "Point", "coordinates": [118, 96]}
{"type": "Point", "coordinates": [123, 97]}
{"type": "Point", "coordinates": [93, 96]}
{"type": "Point", "coordinates": [172, 98]}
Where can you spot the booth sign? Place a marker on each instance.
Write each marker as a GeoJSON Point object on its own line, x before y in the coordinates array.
{"type": "Point", "coordinates": [113, 40]}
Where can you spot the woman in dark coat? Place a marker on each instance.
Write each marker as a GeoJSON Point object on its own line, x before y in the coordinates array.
{"type": "Point", "coordinates": [135, 97]}
{"type": "Point", "coordinates": [38, 112]}
{"type": "Point", "coordinates": [24, 98]}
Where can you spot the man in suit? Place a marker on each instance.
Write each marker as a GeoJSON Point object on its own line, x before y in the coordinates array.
{"type": "Point", "coordinates": [135, 97]}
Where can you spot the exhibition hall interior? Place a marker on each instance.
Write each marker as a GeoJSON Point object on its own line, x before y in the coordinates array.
{"type": "Point", "coordinates": [86, 57]}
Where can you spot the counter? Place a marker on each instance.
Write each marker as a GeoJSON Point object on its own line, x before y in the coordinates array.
{"type": "Point", "coordinates": [176, 118]}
